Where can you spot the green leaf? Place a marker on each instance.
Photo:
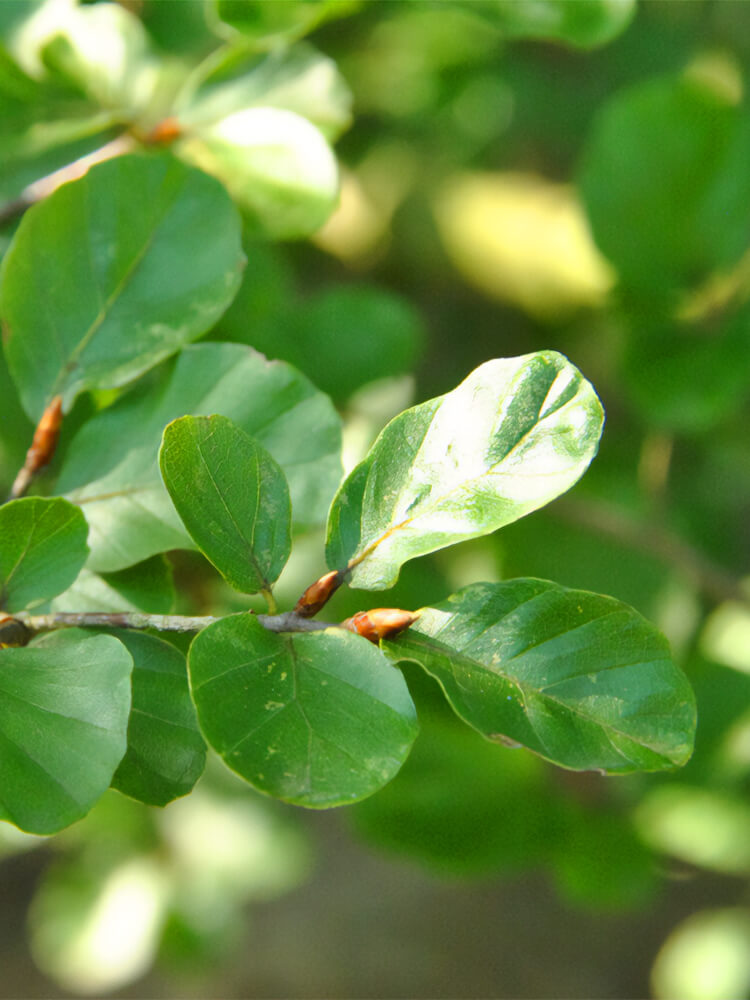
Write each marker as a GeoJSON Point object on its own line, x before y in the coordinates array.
{"type": "Point", "coordinates": [344, 337]}
{"type": "Point", "coordinates": [586, 23]}
{"type": "Point", "coordinates": [668, 205]}
{"type": "Point", "coordinates": [42, 549]}
{"type": "Point", "coordinates": [580, 679]}
{"type": "Point", "coordinates": [298, 79]}
{"type": "Point", "coordinates": [275, 164]}
{"type": "Point", "coordinates": [267, 21]}
{"type": "Point", "coordinates": [113, 273]}
{"type": "Point", "coordinates": [514, 435]}
{"type": "Point", "coordinates": [318, 719]}
{"type": "Point", "coordinates": [232, 498]}
{"type": "Point", "coordinates": [63, 722]}
{"type": "Point", "coordinates": [148, 586]}
{"type": "Point", "coordinates": [166, 753]}
{"type": "Point", "coordinates": [688, 379]}
{"type": "Point", "coordinates": [128, 509]}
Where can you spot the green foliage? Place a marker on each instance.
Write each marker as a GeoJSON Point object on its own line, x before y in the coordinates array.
{"type": "Point", "coordinates": [210, 131]}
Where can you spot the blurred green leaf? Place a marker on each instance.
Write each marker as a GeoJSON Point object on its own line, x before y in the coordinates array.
{"type": "Point", "coordinates": [118, 270]}
{"type": "Point", "coordinates": [298, 79]}
{"type": "Point", "coordinates": [580, 679]}
{"type": "Point", "coordinates": [461, 806]}
{"type": "Point", "coordinates": [514, 435]}
{"type": "Point", "coordinates": [231, 496]}
{"type": "Point", "coordinates": [318, 719]}
{"type": "Point", "coordinates": [343, 338]}
{"type": "Point", "coordinates": [688, 379]}
{"type": "Point", "coordinates": [166, 753]}
{"type": "Point", "coordinates": [585, 23]}
{"type": "Point", "coordinates": [703, 826]}
{"type": "Point", "coordinates": [706, 957]}
{"type": "Point", "coordinates": [129, 512]}
{"type": "Point", "coordinates": [267, 21]}
{"type": "Point", "coordinates": [63, 721]}
{"type": "Point", "coordinates": [42, 550]}
{"type": "Point", "coordinates": [275, 164]}
{"type": "Point", "coordinates": [664, 183]}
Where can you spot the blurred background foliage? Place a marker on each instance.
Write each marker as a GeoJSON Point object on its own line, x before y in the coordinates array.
{"type": "Point", "coordinates": [566, 174]}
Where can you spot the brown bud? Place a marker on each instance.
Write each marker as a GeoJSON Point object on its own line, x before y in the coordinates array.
{"type": "Point", "coordinates": [12, 632]}
{"type": "Point", "coordinates": [166, 131]}
{"type": "Point", "coordinates": [318, 593]}
{"type": "Point", "coordinates": [380, 623]}
{"type": "Point", "coordinates": [45, 438]}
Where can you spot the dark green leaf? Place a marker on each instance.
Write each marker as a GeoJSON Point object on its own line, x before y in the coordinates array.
{"type": "Point", "coordinates": [166, 753]}
{"type": "Point", "coordinates": [580, 679]}
{"type": "Point", "coordinates": [129, 512]}
{"type": "Point", "coordinates": [232, 498]}
{"type": "Point", "coordinates": [343, 338]}
{"type": "Point", "coordinates": [318, 719]}
{"type": "Point", "coordinates": [114, 272]}
{"type": "Point", "coordinates": [688, 379]}
{"type": "Point", "coordinates": [42, 550]}
{"type": "Point", "coordinates": [586, 23]}
{"type": "Point", "coordinates": [669, 204]}
{"type": "Point", "coordinates": [513, 436]}
{"type": "Point", "coordinates": [63, 722]}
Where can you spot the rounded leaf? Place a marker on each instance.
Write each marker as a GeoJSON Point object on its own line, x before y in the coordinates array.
{"type": "Point", "coordinates": [232, 498]}
{"type": "Point", "coordinates": [514, 435]}
{"type": "Point", "coordinates": [581, 679]}
{"type": "Point", "coordinates": [113, 273]}
{"type": "Point", "coordinates": [64, 705]}
{"type": "Point", "coordinates": [318, 719]}
{"type": "Point", "coordinates": [42, 550]}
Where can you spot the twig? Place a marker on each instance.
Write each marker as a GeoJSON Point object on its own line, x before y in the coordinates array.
{"type": "Point", "coordinates": [286, 622]}
{"type": "Point", "coordinates": [39, 189]}
{"type": "Point", "coordinates": [713, 580]}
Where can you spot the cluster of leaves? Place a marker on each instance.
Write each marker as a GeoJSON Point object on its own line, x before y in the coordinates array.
{"type": "Point", "coordinates": [108, 283]}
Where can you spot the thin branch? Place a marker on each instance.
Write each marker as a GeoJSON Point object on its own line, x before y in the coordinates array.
{"type": "Point", "coordinates": [713, 580]}
{"type": "Point", "coordinates": [39, 189]}
{"type": "Point", "coordinates": [287, 622]}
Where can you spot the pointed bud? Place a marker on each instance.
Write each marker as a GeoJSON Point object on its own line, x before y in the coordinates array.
{"type": "Point", "coordinates": [166, 131]}
{"type": "Point", "coordinates": [45, 438]}
{"type": "Point", "coordinates": [380, 623]}
{"type": "Point", "coordinates": [318, 593]}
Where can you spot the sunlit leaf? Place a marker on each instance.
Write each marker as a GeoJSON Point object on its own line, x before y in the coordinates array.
{"type": "Point", "coordinates": [113, 273]}
{"type": "Point", "coordinates": [42, 549]}
{"type": "Point", "coordinates": [298, 79]}
{"type": "Point", "coordinates": [276, 165]}
{"type": "Point", "coordinates": [232, 498]}
{"type": "Point", "coordinates": [127, 507]}
{"type": "Point", "coordinates": [513, 436]}
{"type": "Point", "coordinates": [318, 719]}
{"type": "Point", "coordinates": [581, 679]}
{"type": "Point", "coordinates": [63, 722]}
